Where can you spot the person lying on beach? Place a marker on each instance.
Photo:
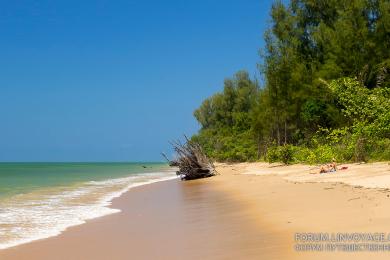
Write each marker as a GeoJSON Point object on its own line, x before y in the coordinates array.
{"type": "Point", "coordinates": [332, 167]}
{"type": "Point", "coordinates": [326, 168]}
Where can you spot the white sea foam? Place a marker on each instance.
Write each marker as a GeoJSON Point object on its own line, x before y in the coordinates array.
{"type": "Point", "coordinates": [46, 213]}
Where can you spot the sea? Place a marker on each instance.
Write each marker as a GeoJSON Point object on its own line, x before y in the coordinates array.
{"type": "Point", "coordinates": [40, 200]}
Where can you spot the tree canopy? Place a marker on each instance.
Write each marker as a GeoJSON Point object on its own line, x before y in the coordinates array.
{"type": "Point", "coordinates": [326, 66]}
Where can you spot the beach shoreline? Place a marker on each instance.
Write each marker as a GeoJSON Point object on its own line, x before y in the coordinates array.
{"type": "Point", "coordinates": [41, 200]}
{"type": "Point", "coordinates": [250, 210]}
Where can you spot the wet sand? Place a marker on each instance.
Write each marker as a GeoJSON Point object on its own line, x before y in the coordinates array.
{"type": "Point", "coordinates": [167, 220]}
{"type": "Point", "coordinates": [249, 211]}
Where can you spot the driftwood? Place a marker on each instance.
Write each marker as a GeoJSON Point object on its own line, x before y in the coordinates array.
{"type": "Point", "coordinates": [191, 160]}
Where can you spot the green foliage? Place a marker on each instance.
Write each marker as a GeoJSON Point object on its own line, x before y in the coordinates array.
{"type": "Point", "coordinates": [226, 121]}
{"type": "Point", "coordinates": [301, 154]}
{"type": "Point", "coordinates": [360, 103]}
{"type": "Point", "coordinates": [297, 116]}
{"type": "Point", "coordinates": [324, 153]}
{"type": "Point", "coordinates": [273, 154]}
{"type": "Point", "coordinates": [368, 111]}
{"type": "Point", "coordinates": [286, 154]}
{"type": "Point", "coordinates": [280, 153]}
{"type": "Point", "coordinates": [380, 150]}
{"type": "Point", "coordinates": [313, 111]}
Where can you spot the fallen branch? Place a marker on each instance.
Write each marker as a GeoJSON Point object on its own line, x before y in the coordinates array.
{"type": "Point", "coordinates": [191, 160]}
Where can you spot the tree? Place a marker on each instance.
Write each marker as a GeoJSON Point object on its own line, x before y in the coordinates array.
{"type": "Point", "coordinates": [308, 43]}
{"type": "Point", "coordinates": [225, 120]}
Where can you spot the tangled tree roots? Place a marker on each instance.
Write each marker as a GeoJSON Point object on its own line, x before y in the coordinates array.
{"type": "Point", "coordinates": [191, 160]}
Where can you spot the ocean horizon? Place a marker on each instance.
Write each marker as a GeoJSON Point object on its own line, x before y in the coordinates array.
{"type": "Point", "coordinates": [41, 199]}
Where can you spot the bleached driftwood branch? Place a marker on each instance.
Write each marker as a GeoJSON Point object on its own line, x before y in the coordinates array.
{"type": "Point", "coordinates": [191, 160]}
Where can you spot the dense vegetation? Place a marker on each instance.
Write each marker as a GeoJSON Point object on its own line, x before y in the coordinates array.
{"type": "Point", "coordinates": [326, 91]}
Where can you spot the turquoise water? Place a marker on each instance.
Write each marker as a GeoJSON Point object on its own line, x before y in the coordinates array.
{"type": "Point", "coordinates": [18, 178]}
{"type": "Point", "coordinates": [40, 200]}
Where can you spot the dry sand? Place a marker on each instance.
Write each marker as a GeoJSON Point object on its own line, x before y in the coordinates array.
{"type": "Point", "coordinates": [249, 211]}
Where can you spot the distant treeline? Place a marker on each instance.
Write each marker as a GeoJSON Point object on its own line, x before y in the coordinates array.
{"type": "Point", "coordinates": [326, 90]}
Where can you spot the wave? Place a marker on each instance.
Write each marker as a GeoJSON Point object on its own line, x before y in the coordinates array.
{"type": "Point", "coordinates": [46, 213]}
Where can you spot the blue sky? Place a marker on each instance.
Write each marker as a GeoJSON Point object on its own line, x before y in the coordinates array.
{"type": "Point", "coordinates": [116, 80]}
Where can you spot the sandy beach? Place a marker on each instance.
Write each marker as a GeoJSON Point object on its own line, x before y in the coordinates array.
{"type": "Point", "coordinates": [248, 211]}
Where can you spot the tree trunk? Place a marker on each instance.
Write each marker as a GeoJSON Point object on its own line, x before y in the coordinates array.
{"type": "Point", "coordinates": [285, 132]}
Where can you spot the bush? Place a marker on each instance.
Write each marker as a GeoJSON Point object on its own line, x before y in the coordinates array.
{"type": "Point", "coordinates": [345, 150]}
{"type": "Point", "coordinates": [302, 154]}
{"type": "Point", "coordinates": [379, 150]}
{"type": "Point", "coordinates": [286, 154]}
{"type": "Point", "coordinates": [280, 154]}
{"type": "Point", "coordinates": [324, 153]}
{"type": "Point", "coordinates": [273, 154]}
